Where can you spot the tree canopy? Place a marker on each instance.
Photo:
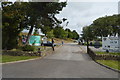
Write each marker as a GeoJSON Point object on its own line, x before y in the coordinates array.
{"type": "Point", "coordinates": [12, 22]}
{"type": "Point", "coordinates": [27, 15]}
{"type": "Point", "coordinates": [102, 27]}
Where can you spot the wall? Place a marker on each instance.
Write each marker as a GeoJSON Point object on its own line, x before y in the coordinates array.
{"type": "Point", "coordinates": [102, 56]}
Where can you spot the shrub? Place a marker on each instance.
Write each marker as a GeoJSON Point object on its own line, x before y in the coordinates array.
{"type": "Point", "coordinates": [28, 48]}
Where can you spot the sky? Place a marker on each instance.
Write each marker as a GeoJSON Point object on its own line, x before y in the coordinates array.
{"type": "Point", "coordinates": [81, 14]}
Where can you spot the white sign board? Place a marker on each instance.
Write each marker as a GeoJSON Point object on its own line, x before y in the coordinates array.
{"type": "Point", "coordinates": [111, 43]}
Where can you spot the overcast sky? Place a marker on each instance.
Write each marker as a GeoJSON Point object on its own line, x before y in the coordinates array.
{"type": "Point", "coordinates": [80, 14]}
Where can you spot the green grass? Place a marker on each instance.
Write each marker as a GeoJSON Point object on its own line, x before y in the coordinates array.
{"type": "Point", "coordinates": [41, 47]}
{"type": "Point", "coordinates": [108, 53]}
{"type": "Point", "coordinates": [111, 63]}
{"type": "Point", "coordinates": [7, 58]}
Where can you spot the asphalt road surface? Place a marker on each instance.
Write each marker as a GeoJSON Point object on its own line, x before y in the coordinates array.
{"type": "Point", "coordinates": [69, 61]}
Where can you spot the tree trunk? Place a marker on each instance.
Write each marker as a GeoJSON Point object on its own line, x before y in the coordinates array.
{"type": "Point", "coordinates": [28, 36]}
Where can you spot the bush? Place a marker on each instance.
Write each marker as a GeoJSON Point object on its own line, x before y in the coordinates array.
{"type": "Point", "coordinates": [28, 48]}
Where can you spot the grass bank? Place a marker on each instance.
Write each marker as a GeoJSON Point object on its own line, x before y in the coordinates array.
{"type": "Point", "coordinates": [110, 63]}
{"type": "Point", "coordinates": [8, 58]}
{"type": "Point", "coordinates": [108, 53]}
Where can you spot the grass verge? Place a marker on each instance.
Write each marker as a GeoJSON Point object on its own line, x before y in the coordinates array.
{"type": "Point", "coordinates": [7, 58]}
{"type": "Point", "coordinates": [108, 53]}
{"type": "Point", "coordinates": [110, 63]}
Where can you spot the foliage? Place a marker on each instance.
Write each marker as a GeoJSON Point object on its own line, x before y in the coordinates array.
{"type": "Point", "coordinates": [102, 27]}
{"type": "Point", "coordinates": [112, 53]}
{"type": "Point", "coordinates": [45, 29]}
{"type": "Point", "coordinates": [72, 34]}
{"type": "Point", "coordinates": [18, 16]}
{"type": "Point", "coordinates": [36, 32]}
{"type": "Point", "coordinates": [59, 32]}
{"type": "Point", "coordinates": [12, 25]}
{"type": "Point", "coordinates": [28, 48]}
{"type": "Point", "coordinates": [69, 33]}
{"type": "Point", "coordinates": [110, 63]}
{"type": "Point", "coordinates": [50, 34]}
{"type": "Point", "coordinates": [42, 15]}
{"type": "Point", "coordinates": [63, 34]}
{"type": "Point", "coordinates": [87, 33]}
{"type": "Point", "coordinates": [75, 35]}
{"type": "Point", "coordinates": [108, 25]}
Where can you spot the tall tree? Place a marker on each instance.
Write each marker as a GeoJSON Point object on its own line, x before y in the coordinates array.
{"type": "Point", "coordinates": [87, 33]}
{"type": "Point", "coordinates": [69, 33]}
{"type": "Point", "coordinates": [12, 22]}
{"type": "Point", "coordinates": [59, 32]}
{"type": "Point", "coordinates": [108, 25]}
{"type": "Point", "coordinates": [50, 34]}
{"type": "Point", "coordinates": [43, 14]}
{"type": "Point", "coordinates": [18, 16]}
{"type": "Point", "coordinates": [75, 34]}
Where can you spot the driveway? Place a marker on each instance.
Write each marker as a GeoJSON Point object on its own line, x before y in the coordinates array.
{"type": "Point", "coordinates": [69, 61]}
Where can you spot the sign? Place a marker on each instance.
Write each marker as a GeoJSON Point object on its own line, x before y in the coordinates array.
{"type": "Point", "coordinates": [35, 40]}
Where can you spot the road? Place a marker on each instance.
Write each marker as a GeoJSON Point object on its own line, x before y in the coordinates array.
{"type": "Point", "coordinates": [69, 61]}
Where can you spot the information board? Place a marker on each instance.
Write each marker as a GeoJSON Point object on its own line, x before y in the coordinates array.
{"type": "Point", "coordinates": [35, 40]}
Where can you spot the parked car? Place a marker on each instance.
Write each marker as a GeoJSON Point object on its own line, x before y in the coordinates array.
{"type": "Point", "coordinates": [48, 44]}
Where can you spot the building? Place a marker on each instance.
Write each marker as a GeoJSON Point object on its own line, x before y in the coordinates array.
{"type": "Point", "coordinates": [111, 43]}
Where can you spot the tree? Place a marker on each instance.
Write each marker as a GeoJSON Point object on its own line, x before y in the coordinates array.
{"type": "Point", "coordinates": [46, 29]}
{"type": "Point", "coordinates": [75, 35]}
{"type": "Point", "coordinates": [36, 32]}
{"type": "Point", "coordinates": [101, 27]}
{"type": "Point", "coordinates": [63, 34]}
{"type": "Point", "coordinates": [87, 33]}
{"type": "Point", "coordinates": [69, 33]}
{"type": "Point", "coordinates": [12, 23]}
{"type": "Point", "coordinates": [43, 14]}
{"type": "Point", "coordinates": [59, 32]}
{"type": "Point", "coordinates": [50, 34]}
{"type": "Point", "coordinates": [18, 16]}
{"type": "Point", "coordinates": [108, 25]}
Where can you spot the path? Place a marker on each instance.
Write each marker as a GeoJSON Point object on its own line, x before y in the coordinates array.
{"type": "Point", "coordinates": [67, 62]}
